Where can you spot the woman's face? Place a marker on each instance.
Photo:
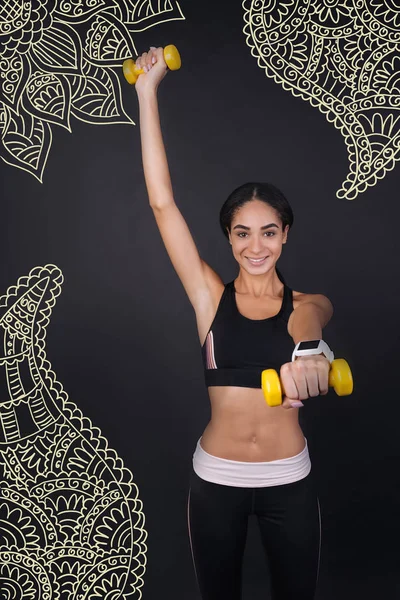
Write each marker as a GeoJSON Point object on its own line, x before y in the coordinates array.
{"type": "Point", "coordinates": [257, 236]}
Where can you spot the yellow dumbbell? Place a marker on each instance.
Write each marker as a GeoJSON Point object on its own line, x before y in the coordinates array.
{"type": "Point", "coordinates": [171, 57]}
{"type": "Point", "coordinates": [340, 378]}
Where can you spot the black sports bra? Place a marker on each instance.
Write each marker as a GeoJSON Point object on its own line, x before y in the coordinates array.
{"type": "Point", "coordinates": [238, 349]}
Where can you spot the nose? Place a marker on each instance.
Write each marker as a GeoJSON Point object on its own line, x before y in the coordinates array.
{"type": "Point", "coordinates": [256, 245]}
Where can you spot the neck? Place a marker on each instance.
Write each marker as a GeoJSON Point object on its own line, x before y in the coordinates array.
{"type": "Point", "coordinates": [267, 284]}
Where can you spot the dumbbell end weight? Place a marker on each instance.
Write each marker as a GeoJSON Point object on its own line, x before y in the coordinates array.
{"type": "Point", "coordinates": [271, 387]}
{"type": "Point", "coordinates": [172, 57]}
{"type": "Point", "coordinates": [131, 71]}
{"type": "Point", "coordinates": [340, 377]}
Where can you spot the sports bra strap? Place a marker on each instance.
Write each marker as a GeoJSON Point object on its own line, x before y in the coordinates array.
{"type": "Point", "coordinates": [287, 304]}
{"type": "Point", "coordinates": [287, 301]}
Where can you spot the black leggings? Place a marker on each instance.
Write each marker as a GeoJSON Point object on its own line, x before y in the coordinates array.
{"type": "Point", "coordinates": [289, 521]}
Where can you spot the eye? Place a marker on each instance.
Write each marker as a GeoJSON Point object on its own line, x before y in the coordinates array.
{"type": "Point", "coordinates": [242, 234]}
{"type": "Point", "coordinates": [269, 233]}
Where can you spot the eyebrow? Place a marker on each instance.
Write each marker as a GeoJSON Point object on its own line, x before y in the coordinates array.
{"type": "Point", "coordinates": [262, 228]}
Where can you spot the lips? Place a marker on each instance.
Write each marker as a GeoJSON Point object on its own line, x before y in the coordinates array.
{"type": "Point", "coordinates": [256, 261]}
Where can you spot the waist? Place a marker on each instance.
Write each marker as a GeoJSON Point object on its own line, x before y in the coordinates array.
{"type": "Point", "coordinates": [251, 474]}
{"type": "Point", "coordinates": [243, 427]}
{"type": "Point", "coordinates": [235, 377]}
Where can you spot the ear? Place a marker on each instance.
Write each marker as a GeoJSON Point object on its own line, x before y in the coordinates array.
{"type": "Point", "coordinates": [285, 234]}
{"type": "Point", "coordinates": [229, 236]}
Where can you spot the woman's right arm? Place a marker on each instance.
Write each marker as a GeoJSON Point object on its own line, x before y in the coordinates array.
{"type": "Point", "coordinates": [199, 280]}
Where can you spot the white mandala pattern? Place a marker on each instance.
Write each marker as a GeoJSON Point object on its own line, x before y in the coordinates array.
{"type": "Point", "coordinates": [71, 521]}
{"type": "Point", "coordinates": [59, 59]}
{"type": "Point", "coordinates": [342, 56]}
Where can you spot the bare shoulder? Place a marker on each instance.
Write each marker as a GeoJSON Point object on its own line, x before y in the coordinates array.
{"type": "Point", "coordinates": [320, 300]}
{"type": "Point", "coordinates": [311, 312]}
{"type": "Point", "coordinates": [313, 304]}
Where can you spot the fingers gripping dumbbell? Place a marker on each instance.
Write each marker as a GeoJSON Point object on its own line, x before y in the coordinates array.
{"type": "Point", "coordinates": [171, 57]}
{"type": "Point", "coordinates": [340, 378]}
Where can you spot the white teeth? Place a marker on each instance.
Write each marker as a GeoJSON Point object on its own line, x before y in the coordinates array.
{"type": "Point", "coordinates": [257, 260]}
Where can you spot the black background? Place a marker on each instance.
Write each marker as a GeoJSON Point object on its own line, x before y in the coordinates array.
{"type": "Point", "coordinates": [122, 338]}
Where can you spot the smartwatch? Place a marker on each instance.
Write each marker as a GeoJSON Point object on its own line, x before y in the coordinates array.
{"type": "Point", "coordinates": [311, 348]}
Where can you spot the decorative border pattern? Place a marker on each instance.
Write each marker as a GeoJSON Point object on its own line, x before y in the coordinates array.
{"type": "Point", "coordinates": [71, 521]}
{"type": "Point", "coordinates": [61, 59]}
{"type": "Point", "coordinates": [342, 56]}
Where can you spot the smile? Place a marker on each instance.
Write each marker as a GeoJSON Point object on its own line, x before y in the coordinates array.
{"type": "Point", "coordinates": [256, 261]}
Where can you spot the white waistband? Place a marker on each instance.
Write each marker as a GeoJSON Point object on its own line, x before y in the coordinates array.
{"type": "Point", "coordinates": [251, 474]}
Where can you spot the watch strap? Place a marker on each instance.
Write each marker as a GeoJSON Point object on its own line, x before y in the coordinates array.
{"type": "Point", "coordinates": [320, 347]}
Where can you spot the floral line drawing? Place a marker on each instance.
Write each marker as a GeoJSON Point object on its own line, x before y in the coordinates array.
{"type": "Point", "coordinates": [61, 59]}
{"type": "Point", "coordinates": [343, 57]}
{"type": "Point", "coordinates": [71, 520]}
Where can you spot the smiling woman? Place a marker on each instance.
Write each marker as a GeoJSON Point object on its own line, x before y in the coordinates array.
{"type": "Point", "coordinates": [268, 217]}
{"type": "Point", "coordinates": [251, 458]}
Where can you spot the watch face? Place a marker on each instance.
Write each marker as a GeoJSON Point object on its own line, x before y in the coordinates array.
{"type": "Point", "coordinates": [312, 345]}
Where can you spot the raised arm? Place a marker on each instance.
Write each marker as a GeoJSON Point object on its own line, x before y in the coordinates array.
{"type": "Point", "coordinates": [198, 279]}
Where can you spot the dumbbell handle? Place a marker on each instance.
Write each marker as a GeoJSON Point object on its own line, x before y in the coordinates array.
{"type": "Point", "coordinates": [171, 57]}
{"type": "Point", "coordinates": [340, 378]}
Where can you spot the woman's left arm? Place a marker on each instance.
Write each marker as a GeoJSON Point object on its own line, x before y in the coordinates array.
{"type": "Point", "coordinates": [307, 376]}
{"type": "Point", "coordinates": [309, 318]}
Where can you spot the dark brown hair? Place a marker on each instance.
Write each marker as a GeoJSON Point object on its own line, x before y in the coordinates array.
{"type": "Point", "coordinates": [266, 192]}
